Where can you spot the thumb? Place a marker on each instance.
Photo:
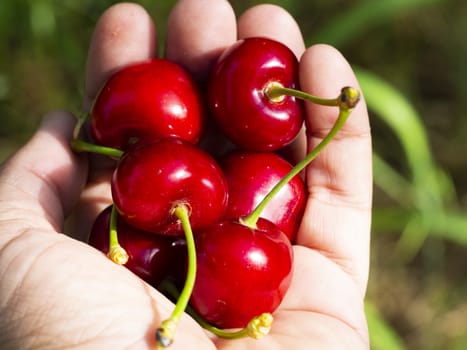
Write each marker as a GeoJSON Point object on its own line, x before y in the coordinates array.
{"type": "Point", "coordinates": [41, 182]}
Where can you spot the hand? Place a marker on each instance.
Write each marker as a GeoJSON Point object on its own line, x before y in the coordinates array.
{"type": "Point", "coordinates": [57, 293]}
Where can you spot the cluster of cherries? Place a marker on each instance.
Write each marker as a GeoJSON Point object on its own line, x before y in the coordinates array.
{"type": "Point", "coordinates": [207, 215]}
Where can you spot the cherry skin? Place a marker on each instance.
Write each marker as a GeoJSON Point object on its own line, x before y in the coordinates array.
{"type": "Point", "coordinates": [154, 258]}
{"type": "Point", "coordinates": [242, 272]}
{"type": "Point", "coordinates": [146, 101]}
{"type": "Point", "coordinates": [237, 98]}
{"type": "Point", "coordinates": [251, 176]}
{"type": "Point", "coordinates": [151, 179]}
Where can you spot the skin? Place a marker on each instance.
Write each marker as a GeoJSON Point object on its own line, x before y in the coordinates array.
{"type": "Point", "coordinates": [58, 293]}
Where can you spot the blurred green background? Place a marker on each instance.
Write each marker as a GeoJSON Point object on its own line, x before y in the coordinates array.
{"type": "Point", "coordinates": [411, 60]}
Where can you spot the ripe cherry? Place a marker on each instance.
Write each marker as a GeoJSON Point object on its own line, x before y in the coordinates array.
{"type": "Point", "coordinates": [154, 258]}
{"type": "Point", "coordinates": [252, 175]}
{"type": "Point", "coordinates": [245, 265]}
{"type": "Point", "coordinates": [152, 179]}
{"type": "Point", "coordinates": [146, 101]}
{"type": "Point", "coordinates": [237, 94]}
{"type": "Point", "coordinates": [242, 272]}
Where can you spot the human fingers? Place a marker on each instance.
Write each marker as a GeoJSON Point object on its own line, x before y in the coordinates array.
{"type": "Point", "coordinates": [41, 182]}
{"type": "Point", "coordinates": [338, 213]}
{"type": "Point", "coordinates": [124, 34]}
{"type": "Point", "coordinates": [273, 22]}
{"type": "Point", "coordinates": [198, 32]}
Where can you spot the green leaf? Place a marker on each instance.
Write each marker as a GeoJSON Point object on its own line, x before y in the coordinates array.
{"type": "Point", "coordinates": [363, 16]}
{"type": "Point", "coordinates": [423, 197]}
{"type": "Point", "coordinates": [397, 112]}
{"type": "Point", "coordinates": [382, 336]}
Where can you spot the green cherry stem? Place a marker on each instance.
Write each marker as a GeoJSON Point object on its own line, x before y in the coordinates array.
{"type": "Point", "coordinates": [166, 332]}
{"type": "Point", "coordinates": [257, 328]}
{"type": "Point", "coordinates": [277, 92]}
{"type": "Point", "coordinates": [79, 124]}
{"type": "Point", "coordinates": [116, 252]}
{"type": "Point", "coordinates": [79, 145]}
{"type": "Point", "coordinates": [346, 101]}
{"type": "Point", "coordinates": [82, 146]}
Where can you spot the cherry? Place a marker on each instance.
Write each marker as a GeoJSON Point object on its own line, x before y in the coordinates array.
{"type": "Point", "coordinates": [146, 101]}
{"type": "Point", "coordinates": [242, 272]}
{"type": "Point", "coordinates": [154, 258]}
{"type": "Point", "coordinates": [151, 179]}
{"type": "Point", "coordinates": [252, 175]}
{"type": "Point", "coordinates": [245, 265]}
{"type": "Point", "coordinates": [238, 99]}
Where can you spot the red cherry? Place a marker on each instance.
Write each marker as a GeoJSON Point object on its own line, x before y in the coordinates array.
{"type": "Point", "coordinates": [153, 258]}
{"type": "Point", "coordinates": [148, 100]}
{"type": "Point", "coordinates": [239, 103]}
{"type": "Point", "coordinates": [251, 176]}
{"type": "Point", "coordinates": [242, 272]}
{"type": "Point", "coordinates": [152, 179]}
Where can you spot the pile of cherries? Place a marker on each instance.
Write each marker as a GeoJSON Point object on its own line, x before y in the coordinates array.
{"type": "Point", "coordinates": [204, 207]}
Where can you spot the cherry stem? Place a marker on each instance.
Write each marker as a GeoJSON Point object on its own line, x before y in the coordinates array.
{"type": "Point", "coordinates": [82, 146]}
{"type": "Point", "coordinates": [346, 101]}
{"type": "Point", "coordinates": [166, 332]}
{"type": "Point", "coordinates": [79, 145]}
{"type": "Point", "coordinates": [257, 328]}
{"type": "Point", "coordinates": [116, 252]}
{"type": "Point", "coordinates": [79, 125]}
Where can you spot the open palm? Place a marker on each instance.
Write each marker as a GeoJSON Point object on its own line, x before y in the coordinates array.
{"type": "Point", "coordinates": [58, 293]}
